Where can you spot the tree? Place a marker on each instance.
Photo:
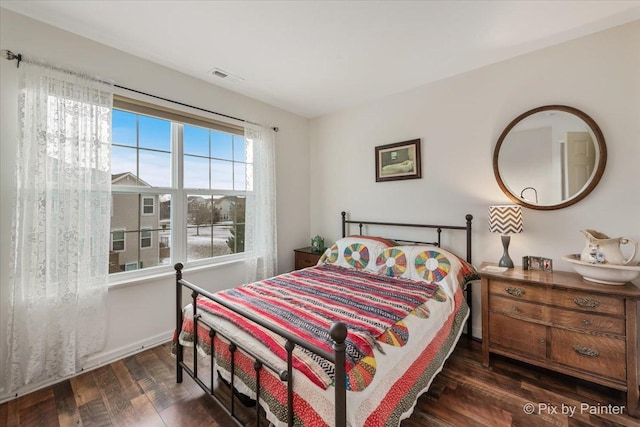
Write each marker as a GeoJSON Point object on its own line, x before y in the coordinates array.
{"type": "Point", "coordinates": [236, 241]}
{"type": "Point", "coordinates": [201, 212]}
{"type": "Point", "coordinates": [203, 216]}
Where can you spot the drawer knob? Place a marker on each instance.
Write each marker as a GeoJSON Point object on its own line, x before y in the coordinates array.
{"type": "Point", "coordinates": [515, 309]}
{"type": "Point", "coordinates": [586, 322]}
{"type": "Point", "coordinates": [586, 351]}
{"type": "Point", "coordinates": [516, 292]}
{"type": "Point", "coordinates": [588, 303]}
{"type": "Point", "coordinates": [542, 340]}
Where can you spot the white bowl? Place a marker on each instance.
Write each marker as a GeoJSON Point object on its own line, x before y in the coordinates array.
{"type": "Point", "coordinates": [608, 274]}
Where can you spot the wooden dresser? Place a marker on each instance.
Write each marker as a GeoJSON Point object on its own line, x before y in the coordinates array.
{"type": "Point", "coordinates": [562, 322]}
{"type": "Point", "coordinates": [305, 257]}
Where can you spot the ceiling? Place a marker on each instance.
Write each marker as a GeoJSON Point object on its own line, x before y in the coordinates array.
{"type": "Point", "coordinates": [316, 57]}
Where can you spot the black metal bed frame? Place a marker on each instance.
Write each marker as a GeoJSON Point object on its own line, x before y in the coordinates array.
{"type": "Point", "coordinates": [337, 332]}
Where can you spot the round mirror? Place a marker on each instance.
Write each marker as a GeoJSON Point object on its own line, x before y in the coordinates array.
{"type": "Point", "coordinates": [550, 157]}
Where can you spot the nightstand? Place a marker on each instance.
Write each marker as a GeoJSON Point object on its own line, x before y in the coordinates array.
{"type": "Point", "coordinates": [305, 257]}
{"type": "Point", "coordinates": [564, 323]}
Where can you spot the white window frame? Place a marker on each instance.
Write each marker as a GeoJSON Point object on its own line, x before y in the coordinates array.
{"type": "Point", "coordinates": [153, 206]}
{"type": "Point", "coordinates": [124, 240]}
{"type": "Point", "coordinates": [149, 230]}
{"type": "Point", "coordinates": [178, 194]}
{"type": "Point", "coordinates": [126, 266]}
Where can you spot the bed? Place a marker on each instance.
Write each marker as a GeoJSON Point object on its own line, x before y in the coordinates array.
{"type": "Point", "coordinates": [352, 341]}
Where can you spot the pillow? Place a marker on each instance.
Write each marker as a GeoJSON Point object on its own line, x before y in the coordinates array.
{"type": "Point", "coordinates": [359, 252]}
{"type": "Point", "coordinates": [426, 263]}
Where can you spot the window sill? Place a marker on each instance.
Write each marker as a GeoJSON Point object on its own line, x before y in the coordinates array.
{"type": "Point", "coordinates": [165, 272]}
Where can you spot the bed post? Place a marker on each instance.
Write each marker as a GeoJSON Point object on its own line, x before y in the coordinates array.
{"type": "Point", "coordinates": [344, 224]}
{"type": "Point", "coordinates": [469, 218]}
{"type": "Point", "coordinates": [179, 350]}
{"type": "Point", "coordinates": [338, 333]}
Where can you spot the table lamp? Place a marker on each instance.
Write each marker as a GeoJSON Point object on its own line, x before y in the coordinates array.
{"type": "Point", "coordinates": [505, 220]}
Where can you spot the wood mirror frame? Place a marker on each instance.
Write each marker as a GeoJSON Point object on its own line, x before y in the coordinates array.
{"type": "Point", "coordinates": [591, 182]}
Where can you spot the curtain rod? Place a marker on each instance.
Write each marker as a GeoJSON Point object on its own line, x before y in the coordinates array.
{"type": "Point", "coordinates": [9, 55]}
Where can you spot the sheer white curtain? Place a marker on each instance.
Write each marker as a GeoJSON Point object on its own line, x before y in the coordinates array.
{"type": "Point", "coordinates": [261, 258]}
{"type": "Point", "coordinates": [60, 240]}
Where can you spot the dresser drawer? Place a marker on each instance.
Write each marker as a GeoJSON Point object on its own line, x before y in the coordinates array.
{"type": "Point", "coordinates": [595, 303]}
{"type": "Point", "coordinates": [588, 322]}
{"type": "Point", "coordinates": [518, 290]}
{"type": "Point", "coordinates": [597, 354]}
{"type": "Point", "coordinates": [519, 335]}
{"type": "Point", "coordinates": [304, 260]}
{"type": "Point", "coordinates": [522, 309]}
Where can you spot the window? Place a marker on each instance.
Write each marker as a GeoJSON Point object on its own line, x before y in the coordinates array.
{"type": "Point", "coordinates": [117, 240]}
{"type": "Point", "coordinates": [148, 206]}
{"type": "Point", "coordinates": [176, 178]}
{"type": "Point", "coordinates": [131, 266]}
{"type": "Point", "coordinates": [145, 238]}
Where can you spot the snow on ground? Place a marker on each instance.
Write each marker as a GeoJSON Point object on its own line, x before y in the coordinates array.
{"type": "Point", "coordinates": [205, 245]}
{"type": "Point", "coordinates": [200, 243]}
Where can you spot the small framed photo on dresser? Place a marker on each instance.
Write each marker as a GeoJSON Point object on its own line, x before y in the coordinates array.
{"type": "Point", "coordinates": [537, 263]}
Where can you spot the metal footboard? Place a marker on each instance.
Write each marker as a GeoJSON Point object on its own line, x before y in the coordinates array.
{"type": "Point", "coordinates": [337, 332]}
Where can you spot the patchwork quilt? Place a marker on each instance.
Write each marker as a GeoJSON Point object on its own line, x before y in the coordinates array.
{"type": "Point", "coordinates": [400, 333]}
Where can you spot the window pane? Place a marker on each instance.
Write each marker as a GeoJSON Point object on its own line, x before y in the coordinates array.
{"type": "Point", "coordinates": [155, 168]}
{"type": "Point", "coordinates": [147, 239]}
{"type": "Point", "coordinates": [164, 232]}
{"type": "Point", "coordinates": [200, 218]}
{"type": "Point", "coordinates": [221, 175]}
{"type": "Point", "coordinates": [238, 207]}
{"type": "Point", "coordinates": [235, 242]}
{"type": "Point", "coordinates": [209, 227]}
{"type": "Point", "coordinates": [117, 240]}
{"type": "Point", "coordinates": [124, 128]}
{"type": "Point", "coordinates": [196, 172]}
{"type": "Point", "coordinates": [238, 148]}
{"type": "Point", "coordinates": [154, 133]}
{"type": "Point", "coordinates": [207, 241]}
{"type": "Point", "coordinates": [221, 145]}
{"type": "Point", "coordinates": [239, 176]}
{"type": "Point", "coordinates": [131, 266]}
{"type": "Point", "coordinates": [249, 177]}
{"type": "Point", "coordinates": [123, 160]}
{"type": "Point", "coordinates": [196, 140]}
{"type": "Point", "coordinates": [148, 205]}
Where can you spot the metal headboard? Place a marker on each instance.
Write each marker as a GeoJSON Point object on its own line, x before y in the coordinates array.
{"type": "Point", "coordinates": [438, 229]}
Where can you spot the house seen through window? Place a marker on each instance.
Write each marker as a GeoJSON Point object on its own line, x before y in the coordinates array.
{"type": "Point", "coordinates": [178, 189]}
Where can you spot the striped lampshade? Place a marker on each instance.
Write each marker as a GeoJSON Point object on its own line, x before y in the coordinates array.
{"type": "Point", "coordinates": [505, 219]}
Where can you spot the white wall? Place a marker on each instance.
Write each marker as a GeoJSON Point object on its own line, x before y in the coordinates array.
{"type": "Point", "coordinates": [459, 121]}
{"type": "Point", "coordinates": [143, 314]}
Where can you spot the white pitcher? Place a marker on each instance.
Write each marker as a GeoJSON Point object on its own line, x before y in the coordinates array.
{"type": "Point", "coordinates": [601, 249]}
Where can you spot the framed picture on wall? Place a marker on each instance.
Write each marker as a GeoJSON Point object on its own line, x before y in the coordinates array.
{"type": "Point", "coordinates": [400, 160]}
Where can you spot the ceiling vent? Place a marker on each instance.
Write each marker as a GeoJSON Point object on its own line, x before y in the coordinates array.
{"type": "Point", "coordinates": [221, 74]}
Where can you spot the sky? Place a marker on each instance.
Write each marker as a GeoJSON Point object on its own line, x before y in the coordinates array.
{"type": "Point", "coordinates": [209, 154]}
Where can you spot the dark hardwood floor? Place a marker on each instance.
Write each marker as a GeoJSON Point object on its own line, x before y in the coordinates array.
{"type": "Point", "coordinates": [141, 391]}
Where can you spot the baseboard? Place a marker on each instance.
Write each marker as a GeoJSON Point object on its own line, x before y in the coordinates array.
{"type": "Point", "coordinates": [101, 359]}
{"type": "Point", "coordinates": [96, 361]}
